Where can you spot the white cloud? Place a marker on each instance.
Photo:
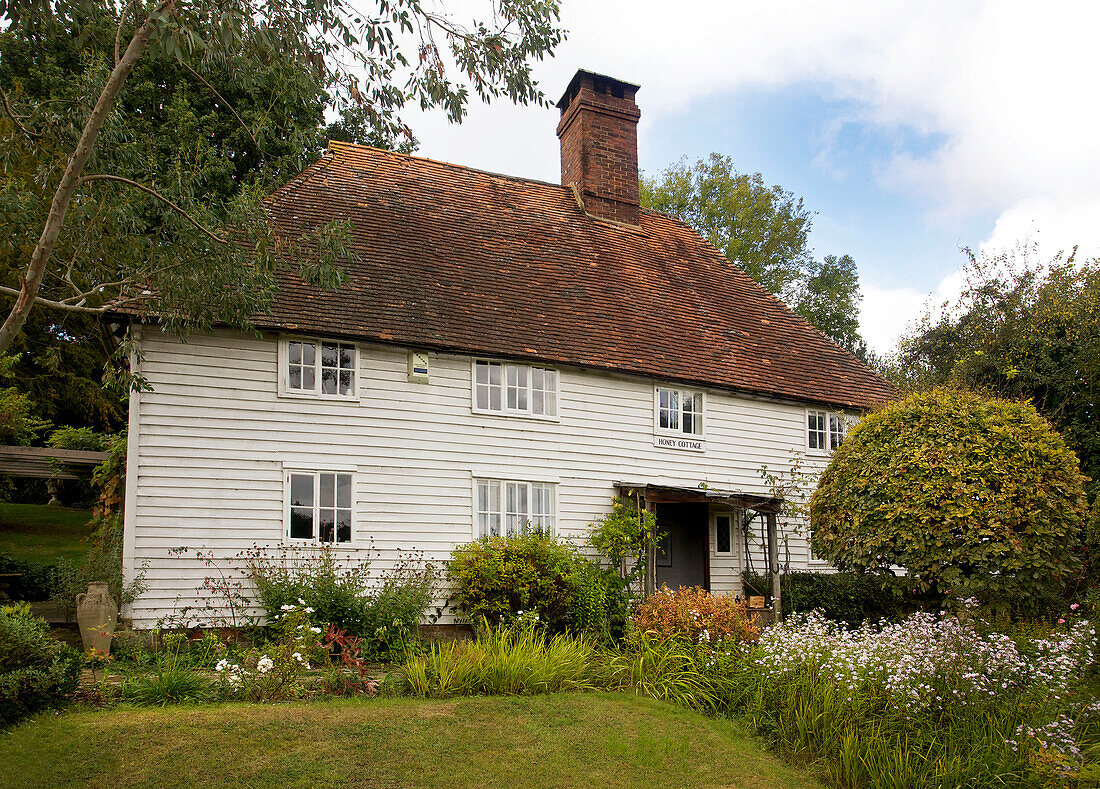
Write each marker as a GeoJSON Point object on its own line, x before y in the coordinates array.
{"type": "Point", "coordinates": [888, 313]}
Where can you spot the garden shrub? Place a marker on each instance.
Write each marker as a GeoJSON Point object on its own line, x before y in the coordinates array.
{"type": "Point", "coordinates": [498, 578]}
{"type": "Point", "coordinates": [843, 597]}
{"type": "Point", "coordinates": [384, 614]}
{"type": "Point", "coordinates": [37, 581]}
{"type": "Point", "coordinates": [694, 615]}
{"type": "Point", "coordinates": [971, 495]}
{"type": "Point", "coordinates": [36, 672]}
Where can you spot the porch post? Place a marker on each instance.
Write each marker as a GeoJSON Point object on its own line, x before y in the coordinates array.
{"type": "Point", "coordinates": [651, 553]}
{"type": "Point", "coordinates": [773, 567]}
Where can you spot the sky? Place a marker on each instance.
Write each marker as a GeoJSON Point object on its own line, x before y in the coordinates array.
{"type": "Point", "coordinates": [912, 130]}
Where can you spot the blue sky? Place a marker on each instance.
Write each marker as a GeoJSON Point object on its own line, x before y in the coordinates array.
{"type": "Point", "coordinates": [912, 128]}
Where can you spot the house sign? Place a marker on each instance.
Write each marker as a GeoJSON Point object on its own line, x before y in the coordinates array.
{"type": "Point", "coordinates": [672, 442]}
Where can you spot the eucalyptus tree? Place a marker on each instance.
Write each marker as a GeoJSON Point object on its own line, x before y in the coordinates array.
{"type": "Point", "coordinates": [100, 210]}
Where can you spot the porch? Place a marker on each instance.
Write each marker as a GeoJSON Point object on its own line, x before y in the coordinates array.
{"type": "Point", "coordinates": [698, 524]}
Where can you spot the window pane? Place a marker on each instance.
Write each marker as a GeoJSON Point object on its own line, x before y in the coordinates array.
{"type": "Point", "coordinates": [327, 524]}
{"type": "Point", "coordinates": [347, 357]}
{"type": "Point", "coordinates": [494, 373]}
{"type": "Point", "coordinates": [295, 349]}
{"type": "Point", "coordinates": [698, 403]}
{"type": "Point", "coordinates": [329, 355]}
{"type": "Point", "coordinates": [521, 402]}
{"type": "Point", "coordinates": [689, 426]}
{"type": "Point", "coordinates": [483, 496]}
{"type": "Point", "coordinates": [343, 490]}
{"type": "Point", "coordinates": [482, 396]}
{"type": "Point", "coordinates": [494, 398]}
{"type": "Point", "coordinates": [538, 402]}
{"type": "Point", "coordinates": [346, 382]}
{"type": "Point", "coordinates": [551, 404]}
{"type": "Point", "coordinates": [301, 490]}
{"type": "Point", "coordinates": [309, 378]}
{"type": "Point", "coordinates": [537, 378]}
{"type": "Point", "coordinates": [483, 524]}
{"type": "Point", "coordinates": [328, 490]}
{"type": "Point", "coordinates": [511, 374]}
{"type": "Point", "coordinates": [295, 378]}
{"type": "Point", "coordinates": [722, 544]}
{"type": "Point", "coordinates": [494, 525]}
{"type": "Point", "coordinates": [343, 525]}
{"type": "Point", "coordinates": [510, 526]}
{"type": "Point", "coordinates": [664, 418]}
{"type": "Point", "coordinates": [521, 499]}
{"type": "Point", "coordinates": [481, 373]}
{"type": "Point", "coordinates": [301, 523]}
{"type": "Point", "coordinates": [309, 354]}
{"type": "Point", "coordinates": [663, 396]}
{"type": "Point", "coordinates": [328, 380]}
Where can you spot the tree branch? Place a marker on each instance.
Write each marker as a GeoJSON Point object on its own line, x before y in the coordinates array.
{"type": "Point", "coordinates": [228, 106]}
{"type": "Point", "coordinates": [154, 193]}
{"type": "Point", "coordinates": [12, 116]}
{"type": "Point", "coordinates": [57, 305]}
{"type": "Point", "coordinates": [36, 268]}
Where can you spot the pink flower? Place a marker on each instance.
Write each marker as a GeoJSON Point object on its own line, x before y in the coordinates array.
{"type": "Point", "coordinates": [1061, 621]}
{"type": "Point", "coordinates": [1074, 607]}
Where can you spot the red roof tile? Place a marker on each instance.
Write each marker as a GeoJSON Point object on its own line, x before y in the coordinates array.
{"type": "Point", "coordinates": [456, 259]}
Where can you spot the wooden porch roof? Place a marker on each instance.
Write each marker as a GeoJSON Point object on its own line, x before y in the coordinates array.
{"type": "Point", "coordinates": [673, 494]}
{"type": "Point", "coordinates": [48, 463]}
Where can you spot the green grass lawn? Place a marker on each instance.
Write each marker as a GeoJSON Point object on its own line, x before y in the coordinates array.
{"type": "Point", "coordinates": [37, 533]}
{"type": "Point", "coordinates": [585, 740]}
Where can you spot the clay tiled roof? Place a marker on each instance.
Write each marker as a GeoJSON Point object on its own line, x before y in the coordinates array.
{"type": "Point", "coordinates": [455, 259]}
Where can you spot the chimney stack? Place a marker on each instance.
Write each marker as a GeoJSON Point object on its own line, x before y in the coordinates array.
{"type": "Point", "coordinates": [599, 145]}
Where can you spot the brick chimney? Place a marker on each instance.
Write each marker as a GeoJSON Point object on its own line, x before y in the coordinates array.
{"type": "Point", "coordinates": [599, 145]}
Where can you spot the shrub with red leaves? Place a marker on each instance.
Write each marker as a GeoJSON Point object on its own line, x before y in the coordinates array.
{"type": "Point", "coordinates": [695, 615]}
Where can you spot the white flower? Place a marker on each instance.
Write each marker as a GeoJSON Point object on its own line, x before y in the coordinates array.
{"type": "Point", "coordinates": [265, 664]}
{"type": "Point", "coordinates": [309, 610]}
{"type": "Point", "coordinates": [223, 664]}
{"type": "Point", "coordinates": [301, 601]}
{"type": "Point", "coordinates": [315, 630]}
{"type": "Point", "coordinates": [286, 607]}
{"type": "Point", "coordinates": [298, 656]}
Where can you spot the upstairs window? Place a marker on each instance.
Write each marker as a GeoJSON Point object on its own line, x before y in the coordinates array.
{"type": "Point", "coordinates": [321, 368]}
{"type": "Point", "coordinates": [319, 507]}
{"type": "Point", "coordinates": [825, 430]}
{"type": "Point", "coordinates": [506, 509]}
{"type": "Point", "coordinates": [519, 389]}
{"type": "Point", "coordinates": [680, 411]}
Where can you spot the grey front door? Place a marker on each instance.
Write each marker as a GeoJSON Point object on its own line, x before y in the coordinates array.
{"type": "Point", "coordinates": [682, 553]}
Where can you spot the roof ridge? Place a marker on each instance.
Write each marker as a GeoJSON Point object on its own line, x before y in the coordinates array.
{"type": "Point", "coordinates": [451, 165]}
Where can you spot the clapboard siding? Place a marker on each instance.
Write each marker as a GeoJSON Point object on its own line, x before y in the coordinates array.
{"type": "Point", "coordinates": [213, 439]}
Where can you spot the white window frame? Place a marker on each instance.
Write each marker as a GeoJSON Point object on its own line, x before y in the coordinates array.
{"type": "Point", "coordinates": [501, 507]}
{"type": "Point", "coordinates": [830, 419]}
{"type": "Point", "coordinates": [316, 474]}
{"type": "Point", "coordinates": [732, 516]}
{"type": "Point", "coordinates": [524, 371]}
{"type": "Point", "coordinates": [700, 434]}
{"type": "Point", "coordinates": [316, 394]}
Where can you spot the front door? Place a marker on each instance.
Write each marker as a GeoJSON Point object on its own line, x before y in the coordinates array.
{"type": "Point", "coordinates": [682, 552]}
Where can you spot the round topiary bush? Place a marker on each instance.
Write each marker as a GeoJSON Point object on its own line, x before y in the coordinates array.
{"type": "Point", "coordinates": [969, 494]}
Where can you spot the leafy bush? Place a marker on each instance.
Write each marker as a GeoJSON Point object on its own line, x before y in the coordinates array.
{"type": "Point", "coordinates": [36, 672]}
{"type": "Point", "coordinates": [969, 494]}
{"type": "Point", "coordinates": [83, 438]}
{"type": "Point", "coordinates": [498, 578]}
{"type": "Point", "coordinates": [36, 582]}
{"type": "Point", "coordinates": [172, 679]}
{"type": "Point", "coordinates": [385, 614]}
{"type": "Point", "coordinates": [505, 660]}
{"type": "Point", "coordinates": [843, 597]}
{"type": "Point", "coordinates": [694, 615]}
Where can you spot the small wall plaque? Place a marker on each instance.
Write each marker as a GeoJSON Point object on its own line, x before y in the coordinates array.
{"type": "Point", "coordinates": [418, 367]}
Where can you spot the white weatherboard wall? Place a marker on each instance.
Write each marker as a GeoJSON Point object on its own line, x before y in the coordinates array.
{"type": "Point", "coordinates": [211, 441]}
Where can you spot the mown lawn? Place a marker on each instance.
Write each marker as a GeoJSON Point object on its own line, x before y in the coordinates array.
{"type": "Point", "coordinates": [37, 533]}
{"type": "Point", "coordinates": [585, 740]}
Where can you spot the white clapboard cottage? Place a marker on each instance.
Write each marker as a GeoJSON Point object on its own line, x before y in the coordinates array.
{"type": "Point", "coordinates": [503, 353]}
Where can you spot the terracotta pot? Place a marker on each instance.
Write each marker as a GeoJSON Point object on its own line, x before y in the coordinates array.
{"type": "Point", "coordinates": [97, 615]}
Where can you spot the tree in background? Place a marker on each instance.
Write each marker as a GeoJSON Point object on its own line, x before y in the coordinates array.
{"type": "Point", "coordinates": [1023, 329]}
{"type": "Point", "coordinates": [764, 230]}
{"type": "Point", "coordinates": [97, 208]}
{"type": "Point", "coordinates": [972, 495]}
